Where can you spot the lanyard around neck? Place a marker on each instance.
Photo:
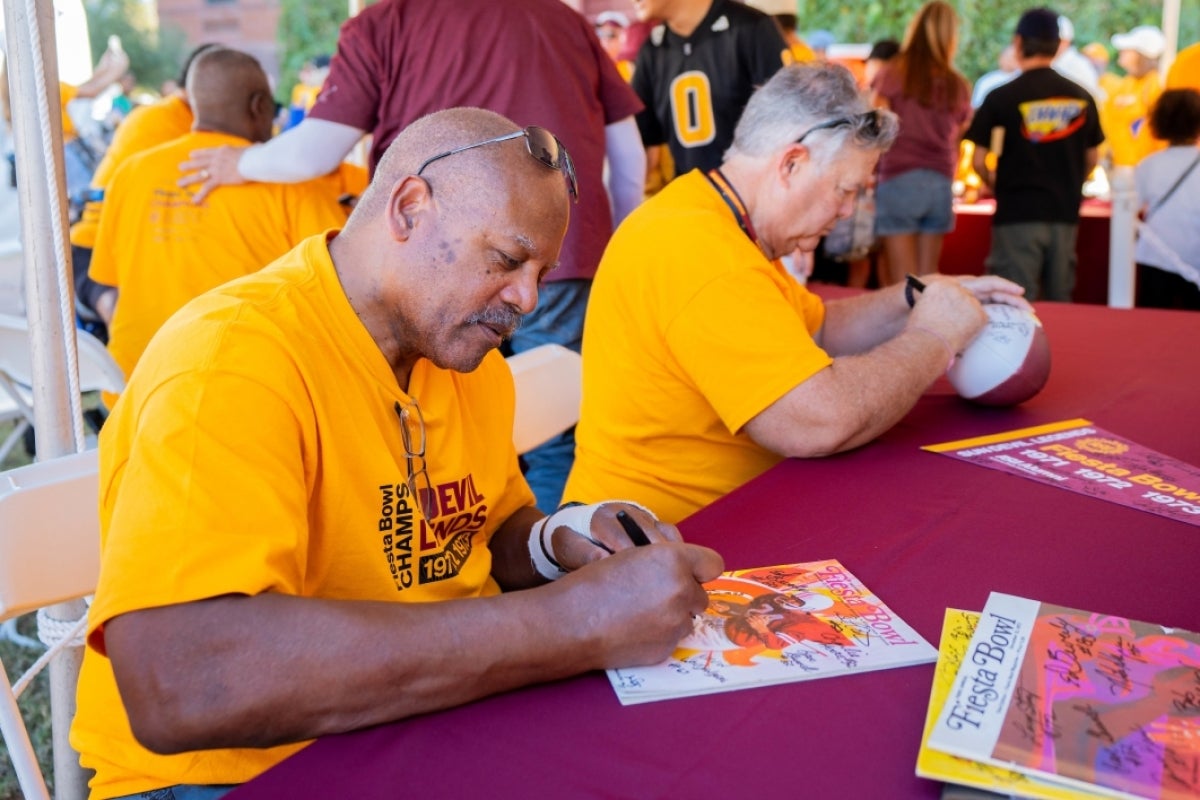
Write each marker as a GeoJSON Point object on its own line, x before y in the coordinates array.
{"type": "Point", "coordinates": [734, 201]}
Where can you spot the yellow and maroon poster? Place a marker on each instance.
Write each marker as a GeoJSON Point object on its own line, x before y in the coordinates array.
{"type": "Point", "coordinates": [1078, 456]}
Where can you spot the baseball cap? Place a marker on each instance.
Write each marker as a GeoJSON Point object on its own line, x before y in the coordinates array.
{"type": "Point", "coordinates": [820, 40]}
{"type": "Point", "coordinates": [1145, 39]}
{"type": "Point", "coordinates": [1038, 23]}
{"type": "Point", "coordinates": [1066, 30]}
{"type": "Point", "coordinates": [1095, 50]}
{"type": "Point", "coordinates": [612, 18]}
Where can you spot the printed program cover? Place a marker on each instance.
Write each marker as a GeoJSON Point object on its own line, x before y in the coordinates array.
{"type": "Point", "coordinates": [780, 624]}
{"type": "Point", "coordinates": [1097, 702]}
{"type": "Point", "coordinates": [957, 630]}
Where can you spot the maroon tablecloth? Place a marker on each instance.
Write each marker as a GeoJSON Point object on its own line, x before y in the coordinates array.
{"type": "Point", "coordinates": [924, 531]}
{"type": "Point", "coordinates": [965, 249]}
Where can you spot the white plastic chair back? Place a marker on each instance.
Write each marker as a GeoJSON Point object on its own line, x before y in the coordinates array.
{"type": "Point", "coordinates": [97, 370]}
{"type": "Point", "coordinates": [12, 259]}
{"type": "Point", "coordinates": [549, 382]}
{"type": "Point", "coordinates": [49, 553]}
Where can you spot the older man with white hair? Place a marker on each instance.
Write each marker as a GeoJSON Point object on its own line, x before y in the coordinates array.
{"type": "Point", "coordinates": [705, 362]}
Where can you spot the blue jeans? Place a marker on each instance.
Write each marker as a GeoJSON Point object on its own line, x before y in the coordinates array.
{"type": "Point", "coordinates": [182, 791]}
{"type": "Point", "coordinates": [558, 319]}
{"type": "Point", "coordinates": [917, 201]}
{"type": "Point", "coordinates": [79, 162]}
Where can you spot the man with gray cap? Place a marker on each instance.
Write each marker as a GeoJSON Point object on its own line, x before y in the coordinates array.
{"type": "Point", "coordinates": [1044, 130]}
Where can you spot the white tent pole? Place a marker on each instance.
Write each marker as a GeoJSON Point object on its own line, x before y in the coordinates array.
{"type": "Point", "coordinates": [1121, 239]}
{"type": "Point", "coordinates": [1170, 29]}
{"type": "Point", "coordinates": [41, 190]}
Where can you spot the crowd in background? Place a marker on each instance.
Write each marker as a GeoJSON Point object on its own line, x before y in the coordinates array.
{"type": "Point", "coordinates": [896, 225]}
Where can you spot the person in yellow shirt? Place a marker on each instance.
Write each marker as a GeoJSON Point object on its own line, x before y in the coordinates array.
{"type": "Point", "coordinates": [312, 517]}
{"type": "Point", "coordinates": [784, 12]}
{"type": "Point", "coordinates": [80, 157]}
{"type": "Point", "coordinates": [158, 249]}
{"type": "Point", "coordinates": [1126, 111]}
{"type": "Point", "coordinates": [146, 127]}
{"type": "Point", "coordinates": [1097, 53]}
{"type": "Point", "coordinates": [1185, 69]}
{"type": "Point", "coordinates": [705, 362]}
{"type": "Point", "coordinates": [312, 77]}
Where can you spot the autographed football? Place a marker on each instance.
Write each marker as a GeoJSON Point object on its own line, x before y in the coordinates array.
{"type": "Point", "coordinates": [1007, 363]}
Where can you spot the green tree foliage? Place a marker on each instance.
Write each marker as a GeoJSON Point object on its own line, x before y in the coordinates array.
{"type": "Point", "coordinates": [987, 25]}
{"type": "Point", "coordinates": [307, 28]}
{"type": "Point", "coordinates": [155, 53]}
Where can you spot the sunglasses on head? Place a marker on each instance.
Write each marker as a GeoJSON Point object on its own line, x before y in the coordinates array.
{"type": "Point", "coordinates": [543, 145]}
{"type": "Point", "coordinates": [868, 121]}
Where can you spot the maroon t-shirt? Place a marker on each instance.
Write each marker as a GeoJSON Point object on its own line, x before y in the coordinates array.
{"type": "Point", "coordinates": [929, 136]}
{"type": "Point", "coordinates": [537, 62]}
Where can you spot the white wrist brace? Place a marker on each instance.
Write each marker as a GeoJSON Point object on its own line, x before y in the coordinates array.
{"type": "Point", "coordinates": [576, 517]}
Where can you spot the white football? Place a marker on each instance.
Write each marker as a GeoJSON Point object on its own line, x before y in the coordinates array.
{"type": "Point", "coordinates": [1007, 363]}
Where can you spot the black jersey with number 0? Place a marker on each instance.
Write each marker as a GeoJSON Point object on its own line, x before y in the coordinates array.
{"type": "Point", "coordinates": [695, 88]}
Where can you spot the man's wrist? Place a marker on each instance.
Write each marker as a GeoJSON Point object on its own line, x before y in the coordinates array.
{"type": "Point", "coordinates": [541, 551]}
{"type": "Point", "coordinates": [945, 343]}
{"type": "Point", "coordinates": [574, 516]}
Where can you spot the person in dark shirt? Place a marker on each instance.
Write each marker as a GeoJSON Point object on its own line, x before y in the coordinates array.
{"type": "Point", "coordinates": [696, 71]}
{"type": "Point", "coordinates": [1044, 130]}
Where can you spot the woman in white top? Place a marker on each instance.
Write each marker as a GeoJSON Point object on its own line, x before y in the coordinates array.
{"type": "Point", "coordinates": [1168, 187]}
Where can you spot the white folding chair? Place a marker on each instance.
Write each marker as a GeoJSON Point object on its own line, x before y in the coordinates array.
{"type": "Point", "coordinates": [549, 383]}
{"type": "Point", "coordinates": [12, 261]}
{"type": "Point", "coordinates": [9, 410]}
{"type": "Point", "coordinates": [97, 372]}
{"type": "Point", "coordinates": [49, 553]}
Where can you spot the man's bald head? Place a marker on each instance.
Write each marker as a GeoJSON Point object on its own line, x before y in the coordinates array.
{"type": "Point", "coordinates": [442, 265]}
{"type": "Point", "coordinates": [469, 176]}
{"type": "Point", "coordinates": [229, 93]}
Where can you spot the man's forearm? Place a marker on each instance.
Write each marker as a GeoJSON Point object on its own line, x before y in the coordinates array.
{"type": "Point", "coordinates": [238, 671]}
{"type": "Point", "coordinates": [313, 148]}
{"type": "Point", "coordinates": [855, 324]}
{"type": "Point", "coordinates": [273, 669]}
{"type": "Point", "coordinates": [627, 167]}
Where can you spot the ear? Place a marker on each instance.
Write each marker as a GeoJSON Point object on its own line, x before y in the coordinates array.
{"type": "Point", "coordinates": [261, 104]}
{"type": "Point", "coordinates": [792, 161]}
{"type": "Point", "coordinates": [408, 206]}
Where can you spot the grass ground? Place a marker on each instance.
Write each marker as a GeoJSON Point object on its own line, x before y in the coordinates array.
{"type": "Point", "coordinates": [35, 702]}
{"type": "Point", "coordinates": [35, 708]}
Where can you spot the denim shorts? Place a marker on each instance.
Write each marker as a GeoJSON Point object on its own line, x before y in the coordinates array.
{"type": "Point", "coordinates": [917, 201]}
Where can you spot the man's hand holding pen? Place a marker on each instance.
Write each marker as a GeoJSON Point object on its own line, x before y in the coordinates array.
{"type": "Point", "coordinates": [579, 534]}
{"type": "Point", "coordinates": [637, 601]}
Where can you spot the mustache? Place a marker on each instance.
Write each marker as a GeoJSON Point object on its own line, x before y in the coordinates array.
{"type": "Point", "coordinates": [504, 318]}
